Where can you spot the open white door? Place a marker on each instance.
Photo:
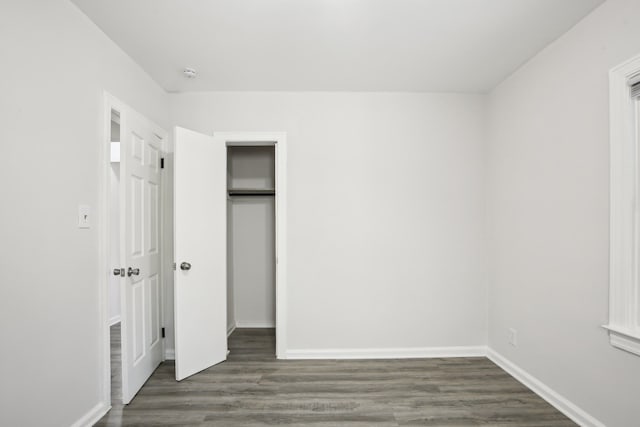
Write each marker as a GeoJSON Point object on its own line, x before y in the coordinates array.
{"type": "Point", "coordinates": [140, 250]}
{"type": "Point", "coordinates": [200, 227]}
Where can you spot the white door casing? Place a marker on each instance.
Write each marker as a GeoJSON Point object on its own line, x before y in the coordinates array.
{"type": "Point", "coordinates": [141, 144]}
{"type": "Point", "coordinates": [200, 239]}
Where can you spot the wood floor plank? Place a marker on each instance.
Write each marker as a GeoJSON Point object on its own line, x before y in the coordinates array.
{"type": "Point", "coordinates": [253, 388]}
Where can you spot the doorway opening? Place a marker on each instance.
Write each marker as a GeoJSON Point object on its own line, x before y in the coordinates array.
{"type": "Point", "coordinates": [251, 250]}
{"type": "Point", "coordinates": [114, 282]}
{"type": "Point", "coordinates": [130, 251]}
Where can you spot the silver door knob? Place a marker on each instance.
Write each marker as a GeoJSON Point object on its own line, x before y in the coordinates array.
{"type": "Point", "coordinates": [185, 266]}
{"type": "Point", "coordinates": [133, 271]}
{"type": "Point", "coordinates": [118, 272]}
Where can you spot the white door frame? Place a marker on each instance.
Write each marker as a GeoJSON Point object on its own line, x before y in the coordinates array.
{"type": "Point", "coordinates": [279, 140]}
{"type": "Point", "coordinates": [104, 232]}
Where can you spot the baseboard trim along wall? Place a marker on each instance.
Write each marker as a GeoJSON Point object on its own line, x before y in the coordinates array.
{"type": "Point", "coordinates": [230, 330]}
{"type": "Point", "coordinates": [388, 353]}
{"type": "Point", "coordinates": [92, 417]}
{"type": "Point", "coordinates": [250, 324]}
{"type": "Point", "coordinates": [577, 414]}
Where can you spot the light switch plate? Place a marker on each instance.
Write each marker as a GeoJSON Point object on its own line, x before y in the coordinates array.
{"type": "Point", "coordinates": [84, 216]}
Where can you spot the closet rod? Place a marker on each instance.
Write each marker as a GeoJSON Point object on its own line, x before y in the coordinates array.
{"type": "Point", "coordinates": [252, 192]}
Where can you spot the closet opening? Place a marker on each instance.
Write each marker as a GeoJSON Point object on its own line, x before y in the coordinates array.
{"type": "Point", "coordinates": [251, 250]}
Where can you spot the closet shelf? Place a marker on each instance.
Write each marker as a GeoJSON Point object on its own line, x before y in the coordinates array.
{"type": "Point", "coordinates": [252, 191]}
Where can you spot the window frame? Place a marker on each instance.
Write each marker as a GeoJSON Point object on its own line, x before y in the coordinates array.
{"type": "Point", "coordinates": [624, 249]}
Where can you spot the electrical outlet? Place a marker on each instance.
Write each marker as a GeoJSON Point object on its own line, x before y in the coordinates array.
{"type": "Point", "coordinates": [513, 337]}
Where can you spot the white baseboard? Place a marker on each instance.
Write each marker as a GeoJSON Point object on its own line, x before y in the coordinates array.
{"type": "Point", "coordinates": [388, 353]}
{"type": "Point", "coordinates": [562, 404]}
{"type": "Point", "coordinates": [230, 329]}
{"type": "Point", "coordinates": [114, 320]}
{"type": "Point", "coordinates": [169, 354]}
{"type": "Point", "coordinates": [92, 417]}
{"type": "Point", "coordinates": [251, 324]}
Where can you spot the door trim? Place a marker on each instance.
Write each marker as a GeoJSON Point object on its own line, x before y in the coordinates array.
{"type": "Point", "coordinates": [279, 140]}
{"type": "Point", "coordinates": [103, 225]}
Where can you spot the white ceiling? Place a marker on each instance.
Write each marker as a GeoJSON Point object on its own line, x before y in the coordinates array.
{"type": "Point", "coordinates": [334, 45]}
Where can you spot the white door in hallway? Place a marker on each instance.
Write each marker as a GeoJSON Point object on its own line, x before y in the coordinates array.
{"type": "Point", "coordinates": [140, 155]}
{"type": "Point", "coordinates": [200, 228]}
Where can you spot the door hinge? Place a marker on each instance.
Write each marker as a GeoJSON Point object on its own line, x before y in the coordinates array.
{"type": "Point", "coordinates": [162, 163]}
{"type": "Point", "coordinates": [162, 332]}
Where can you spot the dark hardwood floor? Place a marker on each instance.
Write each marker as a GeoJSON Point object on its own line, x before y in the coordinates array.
{"type": "Point", "coordinates": [252, 388]}
{"type": "Point", "coordinates": [116, 364]}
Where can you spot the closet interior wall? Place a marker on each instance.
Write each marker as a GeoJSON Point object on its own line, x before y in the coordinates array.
{"type": "Point", "coordinates": [251, 237]}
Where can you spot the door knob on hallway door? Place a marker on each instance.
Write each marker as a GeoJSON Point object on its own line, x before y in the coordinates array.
{"type": "Point", "coordinates": [185, 266]}
{"type": "Point", "coordinates": [133, 271]}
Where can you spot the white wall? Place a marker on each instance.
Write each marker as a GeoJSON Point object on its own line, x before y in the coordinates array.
{"type": "Point", "coordinates": [253, 261]}
{"type": "Point", "coordinates": [56, 63]}
{"type": "Point", "coordinates": [386, 212]}
{"type": "Point", "coordinates": [548, 164]}
{"type": "Point", "coordinates": [251, 167]}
